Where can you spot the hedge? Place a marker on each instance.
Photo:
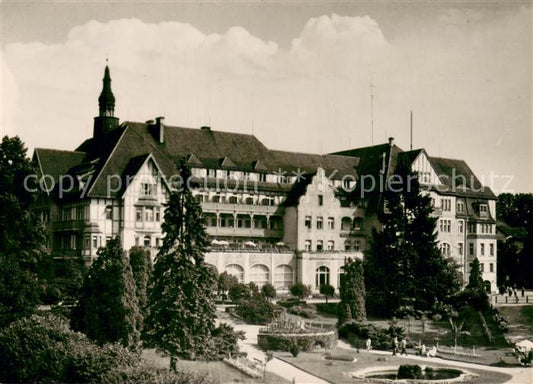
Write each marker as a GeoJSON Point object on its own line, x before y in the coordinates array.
{"type": "Point", "coordinates": [305, 342]}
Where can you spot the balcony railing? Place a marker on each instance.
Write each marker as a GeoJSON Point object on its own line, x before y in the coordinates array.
{"type": "Point", "coordinates": [241, 208]}
{"type": "Point", "coordinates": [69, 225]}
{"type": "Point", "coordinates": [250, 232]}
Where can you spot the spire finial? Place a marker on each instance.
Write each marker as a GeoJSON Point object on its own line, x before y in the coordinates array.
{"type": "Point", "coordinates": [106, 101]}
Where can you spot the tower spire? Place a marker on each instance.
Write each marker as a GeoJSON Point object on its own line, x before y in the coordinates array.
{"type": "Point", "coordinates": [106, 101]}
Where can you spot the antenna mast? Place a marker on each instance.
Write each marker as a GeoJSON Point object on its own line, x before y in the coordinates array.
{"type": "Point", "coordinates": [372, 106]}
{"type": "Point", "coordinates": [411, 130]}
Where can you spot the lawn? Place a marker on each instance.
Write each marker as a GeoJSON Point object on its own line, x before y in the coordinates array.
{"type": "Point", "coordinates": [218, 370]}
{"type": "Point", "coordinates": [340, 371]}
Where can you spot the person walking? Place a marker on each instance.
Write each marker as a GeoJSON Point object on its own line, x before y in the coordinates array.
{"type": "Point", "coordinates": [403, 346]}
{"type": "Point", "coordinates": [368, 344]}
{"type": "Point", "coordinates": [394, 346]}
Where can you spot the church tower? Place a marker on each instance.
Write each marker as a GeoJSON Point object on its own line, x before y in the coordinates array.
{"type": "Point", "coordinates": [106, 121]}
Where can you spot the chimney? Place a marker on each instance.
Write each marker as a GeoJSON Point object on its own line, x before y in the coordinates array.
{"type": "Point", "coordinates": [391, 141]}
{"type": "Point", "coordinates": [205, 128]}
{"type": "Point", "coordinates": [159, 129]}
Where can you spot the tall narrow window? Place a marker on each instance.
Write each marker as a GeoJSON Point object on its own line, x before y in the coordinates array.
{"type": "Point", "coordinates": [320, 200]}
{"type": "Point", "coordinates": [308, 222]}
{"type": "Point", "coordinates": [308, 245]}
{"type": "Point", "coordinates": [491, 249]}
{"type": "Point", "coordinates": [319, 245]}
{"type": "Point", "coordinates": [331, 223]}
{"type": "Point", "coordinates": [319, 222]}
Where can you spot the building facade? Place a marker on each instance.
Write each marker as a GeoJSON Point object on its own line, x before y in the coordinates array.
{"type": "Point", "coordinates": [272, 216]}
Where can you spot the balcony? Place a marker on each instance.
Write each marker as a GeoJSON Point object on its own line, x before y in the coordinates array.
{"type": "Point", "coordinates": [69, 225]}
{"type": "Point", "coordinates": [244, 232]}
{"type": "Point", "coordinates": [240, 208]}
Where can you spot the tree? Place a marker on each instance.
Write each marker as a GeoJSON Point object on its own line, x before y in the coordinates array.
{"type": "Point", "coordinates": [269, 291]}
{"type": "Point", "coordinates": [327, 290]}
{"type": "Point", "coordinates": [108, 309]}
{"type": "Point", "coordinates": [405, 260]}
{"type": "Point", "coordinates": [225, 283]}
{"type": "Point", "coordinates": [21, 234]}
{"type": "Point", "coordinates": [454, 314]}
{"type": "Point", "coordinates": [181, 318]}
{"type": "Point", "coordinates": [142, 269]}
{"type": "Point", "coordinates": [475, 289]}
{"type": "Point", "coordinates": [299, 291]}
{"type": "Point", "coordinates": [352, 293]}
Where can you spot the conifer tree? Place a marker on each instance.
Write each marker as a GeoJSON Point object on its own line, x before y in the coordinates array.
{"type": "Point", "coordinates": [181, 318]}
{"type": "Point", "coordinates": [142, 268]}
{"type": "Point", "coordinates": [352, 293]}
{"type": "Point", "coordinates": [108, 310]}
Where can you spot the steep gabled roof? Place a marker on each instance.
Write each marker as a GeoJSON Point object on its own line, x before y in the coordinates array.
{"type": "Point", "coordinates": [459, 179]}
{"type": "Point", "coordinates": [55, 163]}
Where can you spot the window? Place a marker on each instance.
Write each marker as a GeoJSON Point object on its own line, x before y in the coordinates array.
{"type": "Point", "coordinates": [471, 249]}
{"type": "Point", "coordinates": [232, 199]}
{"type": "Point", "coordinates": [482, 250]}
{"type": "Point", "coordinates": [491, 249]}
{"type": "Point", "coordinates": [157, 212]}
{"type": "Point", "coordinates": [308, 245]}
{"type": "Point", "coordinates": [346, 223]}
{"type": "Point", "coordinates": [263, 177]}
{"type": "Point", "coordinates": [199, 198]}
{"type": "Point", "coordinates": [308, 222]}
{"type": "Point", "coordinates": [340, 277]}
{"type": "Point", "coordinates": [445, 225]}
{"type": "Point", "coordinates": [461, 226]}
{"type": "Point", "coordinates": [491, 267]}
{"type": "Point", "coordinates": [347, 245]}
{"type": "Point", "coordinates": [357, 223]}
{"type": "Point", "coordinates": [322, 276]}
{"type": "Point", "coordinates": [320, 200]}
{"type": "Point", "coordinates": [460, 206]}
{"type": "Point", "coordinates": [283, 277]}
{"type": "Point", "coordinates": [157, 240]}
{"type": "Point", "coordinates": [228, 174]}
{"type": "Point", "coordinates": [95, 241]}
{"type": "Point", "coordinates": [73, 241]}
{"type": "Point", "coordinates": [211, 173]}
{"type": "Point", "coordinates": [331, 245]}
{"type": "Point", "coordinates": [483, 210]}
{"type": "Point", "coordinates": [446, 204]}
{"type": "Point", "coordinates": [249, 201]}
{"type": "Point", "coordinates": [347, 184]}
{"type": "Point", "coordinates": [460, 247]}
{"type": "Point", "coordinates": [319, 245]}
{"type": "Point", "coordinates": [259, 274]}
{"type": "Point", "coordinates": [445, 248]}
{"type": "Point", "coordinates": [319, 222]}
{"type": "Point", "coordinates": [80, 213]}
{"type": "Point", "coordinates": [357, 245]}
{"type": "Point", "coordinates": [67, 214]}
{"type": "Point", "coordinates": [148, 189]}
{"type": "Point", "coordinates": [109, 212]}
{"type": "Point", "coordinates": [482, 267]}
{"type": "Point", "coordinates": [235, 270]}
{"type": "Point", "coordinates": [472, 228]}
{"type": "Point", "coordinates": [149, 214]}
{"type": "Point", "coordinates": [147, 241]}
{"type": "Point", "coordinates": [331, 223]}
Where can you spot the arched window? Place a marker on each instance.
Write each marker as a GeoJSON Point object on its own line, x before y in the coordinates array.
{"type": "Point", "coordinates": [346, 224]}
{"type": "Point", "coordinates": [445, 248]}
{"type": "Point", "coordinates": [283, 276]}
{"type": "Point", "coordinates": [259, 274]}
{"type": "Point", "coordinates": [322, 276]}
{"type": "Point", "coordinates": [235, 270]}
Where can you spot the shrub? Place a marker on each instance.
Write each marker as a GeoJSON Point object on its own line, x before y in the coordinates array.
{"type": "Point", "coordinates": [256, 310]}
{"type": "Point", "coordinates": [357, 333]}
{"type": "Point", "coordinates": [269, 291]}
{"type": "Point", "coordinates": [294, 350]}
{"type": "Point", "coordinates": [299, 290]}
{"type": "Point", "coordinates": [44, 349]}
{"type": "Point", "coordinates": [409, 372]}
{"type": "Point", "coordinates": [307, 311]}
{"type": "Point", "coordinates": [329, 308]}
{"type": "Point", "coordinates": [305, 342]}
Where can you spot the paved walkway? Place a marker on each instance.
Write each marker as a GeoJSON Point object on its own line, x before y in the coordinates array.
{"type": "Point", "coordinates": [277, 366]}
{"type": "Point", "coordinates": [521, 375]}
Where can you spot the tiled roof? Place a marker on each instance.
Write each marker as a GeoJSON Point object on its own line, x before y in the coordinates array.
{"type": "Point", "coordinates": [56, 163]}
{"type": "Point", "coordinates": [459, 179]}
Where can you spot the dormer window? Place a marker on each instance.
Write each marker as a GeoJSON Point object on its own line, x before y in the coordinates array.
{"type": "Point", "coordinates": [483, 210]}
{"type": "Point", "coordinates": [211, 172]}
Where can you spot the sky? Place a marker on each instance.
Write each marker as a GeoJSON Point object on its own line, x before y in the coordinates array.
{"type": "Point", "coordinates": [300, 76]}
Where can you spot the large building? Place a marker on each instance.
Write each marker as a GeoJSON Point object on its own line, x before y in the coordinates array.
{"type": "Point", "coordinates": [272, 216]}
